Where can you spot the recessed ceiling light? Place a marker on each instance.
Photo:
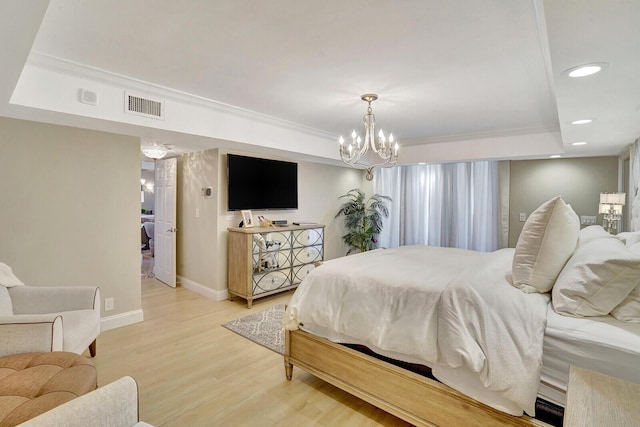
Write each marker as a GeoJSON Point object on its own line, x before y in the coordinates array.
{"type": "Point", "coordinates": [555, 156]}
{"type": "Point", "coordinates": [579, 143]}
{"type": "Point", "coordinates": [586, 69]}
{"type": "Point", "coordinates": [422, 163]}
{"type": "Point", "coordinates": [581, 121]}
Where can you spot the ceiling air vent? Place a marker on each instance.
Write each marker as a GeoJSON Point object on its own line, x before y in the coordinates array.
{"type": "Point", "coordinates": [143, 106]}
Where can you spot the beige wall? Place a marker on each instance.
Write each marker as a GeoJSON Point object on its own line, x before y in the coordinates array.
{"type": "Point", "coordinates": [579, 181]}
{"type": "Point", "coordinates": [70, 209]}
{"type": "Point", "coordinates": [197, 218]}
{"type": "Point", "coordinates": [202, 242]}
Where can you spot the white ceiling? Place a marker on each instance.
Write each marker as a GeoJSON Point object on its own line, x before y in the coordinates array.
{"type": "Point", "coordinates": [457, 80]}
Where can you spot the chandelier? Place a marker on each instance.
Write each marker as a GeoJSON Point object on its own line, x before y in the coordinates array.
{"type": "Point", "coordinates": [355, 153]}
{"type": "Point", "coordinates": [154, 150]}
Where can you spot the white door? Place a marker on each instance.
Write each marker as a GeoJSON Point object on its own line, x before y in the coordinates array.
{"type": "Point", "coordinates": [164, 267]}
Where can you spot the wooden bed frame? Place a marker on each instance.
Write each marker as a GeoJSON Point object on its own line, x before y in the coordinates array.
{"type": "Point", "coordinates": [409, 396]}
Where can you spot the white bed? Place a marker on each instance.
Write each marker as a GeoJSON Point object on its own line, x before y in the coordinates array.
{"type": "Point", "coordinates": [601, 344]}
{"type": "Point", "coordinates": [483, 322]}
{"type": "Point", "coordinates": [407, 311]}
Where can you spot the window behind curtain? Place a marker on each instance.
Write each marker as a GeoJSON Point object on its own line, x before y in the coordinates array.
{"type": "Point", "coordinates": [450, 204]}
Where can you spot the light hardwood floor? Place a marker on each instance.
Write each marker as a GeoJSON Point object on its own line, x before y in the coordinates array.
{"type": "Point", "coordinates": [193, 372]}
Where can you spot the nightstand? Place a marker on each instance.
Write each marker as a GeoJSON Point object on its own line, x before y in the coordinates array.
{"type": "Point", "coordinates": [595, 399]}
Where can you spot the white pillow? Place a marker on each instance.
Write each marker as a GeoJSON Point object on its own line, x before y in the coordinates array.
{"type": "Point", "coordinates": [7, 278]}
{"type": "Point", "coordinates": [593, 232]}
{"type": "Point", "coordinates": [6, 306]}
{"type": "Point", "coordinates": [546, 242]}
{"type": "Point", "coordinates": [598, 277]}
{"type": "Point", "coordinates": [629, 237]}
{"type": "Point", "coordinates": [629, 309]}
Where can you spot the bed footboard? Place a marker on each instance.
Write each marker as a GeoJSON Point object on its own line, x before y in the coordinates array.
{"type": "Point", "coordinates": [409, 396]}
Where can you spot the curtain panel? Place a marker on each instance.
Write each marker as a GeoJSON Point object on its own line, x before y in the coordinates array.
{"type": "Point", "coordinates": [451, 204]}
{"type": "Point", "coordinates": [634, 197]}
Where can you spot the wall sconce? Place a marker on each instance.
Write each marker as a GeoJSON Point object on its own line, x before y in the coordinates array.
{"type": "Point", "coordinates": [611, 207]}
{"type": "Point", "coordinates": [146, 186]}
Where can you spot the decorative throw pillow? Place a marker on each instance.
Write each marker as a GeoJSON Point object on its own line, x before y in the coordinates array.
{"type": "Point", "coordinates": [6, 306]}
{"type": "Point", "coordinates": [7, 278]}
{"type": "Point", "coordinates": [598, 277]}
{"type": "Point", "coordinates": [546, 242]}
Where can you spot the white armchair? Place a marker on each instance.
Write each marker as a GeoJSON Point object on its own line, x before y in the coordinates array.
{"type": "Point", "coordinates": [39, 319]}
{"type": "Point", "coordinates": [114, 405]}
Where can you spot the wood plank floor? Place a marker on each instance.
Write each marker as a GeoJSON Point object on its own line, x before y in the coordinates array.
{"type": "Point", "coordinates": [193, 372]}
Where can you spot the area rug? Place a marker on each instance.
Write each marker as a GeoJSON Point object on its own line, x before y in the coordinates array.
{"type": "Point", "coordinates": [264, 328]}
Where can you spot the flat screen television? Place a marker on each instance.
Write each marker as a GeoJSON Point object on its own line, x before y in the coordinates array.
{"type": "Point", "coordinates": [261, 184]}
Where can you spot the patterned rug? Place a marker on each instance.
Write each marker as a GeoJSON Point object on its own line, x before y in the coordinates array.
{"type": "Point", "coordinates": [264, 328]}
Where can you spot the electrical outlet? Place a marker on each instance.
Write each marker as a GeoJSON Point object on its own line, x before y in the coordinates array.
{"type": "Point", "coordinates": [523, 217]}
{"type": "Point", "coordinates": [108, 304]}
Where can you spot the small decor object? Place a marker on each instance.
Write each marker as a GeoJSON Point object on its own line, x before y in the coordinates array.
{"type": "Point", "coordinates": [247, 219]}
{"type": "Point", "coordinates": [362, 219]}
{"type": "Point", "coordinates": [264, 222]}
{"type": "Point", "coordinates": [355, 153]}
{"type": "Point", "coordinates": [611, 207]}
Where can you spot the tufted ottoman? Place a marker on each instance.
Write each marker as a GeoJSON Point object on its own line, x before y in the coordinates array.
{"type": "Point", "coordinates": [33, 383]}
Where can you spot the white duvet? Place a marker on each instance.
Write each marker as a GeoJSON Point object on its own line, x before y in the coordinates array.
{"type": "Point", "coordinates": [437, 306]}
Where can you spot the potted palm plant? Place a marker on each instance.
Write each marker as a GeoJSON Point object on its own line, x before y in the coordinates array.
{"type": "Point", "coordinates": [362, 219]}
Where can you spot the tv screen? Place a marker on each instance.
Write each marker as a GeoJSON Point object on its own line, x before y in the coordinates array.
{"type": "Point", "coordinates": [261, 184]}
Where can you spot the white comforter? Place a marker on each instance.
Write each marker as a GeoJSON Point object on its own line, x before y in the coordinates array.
{"type": "Point", "coordinates": [436, 306]}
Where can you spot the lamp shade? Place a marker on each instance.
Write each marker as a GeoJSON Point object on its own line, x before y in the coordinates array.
{"type": "Point", "coordinates": [612, 198]}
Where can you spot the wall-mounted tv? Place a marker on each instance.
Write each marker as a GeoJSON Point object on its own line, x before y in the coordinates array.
{"type": "Point", "coordinates": [261, 184]}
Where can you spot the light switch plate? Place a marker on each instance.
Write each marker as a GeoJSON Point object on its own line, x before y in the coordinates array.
{"type": "Point", "coordinates": [587, 220]}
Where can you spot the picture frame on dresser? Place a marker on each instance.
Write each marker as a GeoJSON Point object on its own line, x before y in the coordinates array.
{"type": "Point", "coordinates": [247, 218]}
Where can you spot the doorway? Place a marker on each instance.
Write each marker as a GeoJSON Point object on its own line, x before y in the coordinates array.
{"type": "Point", "coordinates": [147, 218]}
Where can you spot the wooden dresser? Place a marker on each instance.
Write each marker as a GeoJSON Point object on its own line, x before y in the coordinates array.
{"type": "Point", "coordinates": [595, 399]}
{"type": "Point", "coordinates": [266, 260]}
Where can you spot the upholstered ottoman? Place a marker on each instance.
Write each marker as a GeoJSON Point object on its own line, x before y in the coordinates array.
{"type": "Point", "coordinates": [33, 383]}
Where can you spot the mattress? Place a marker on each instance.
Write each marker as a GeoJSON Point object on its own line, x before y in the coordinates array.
{"type": "Point", "coordinates": [602, 344]}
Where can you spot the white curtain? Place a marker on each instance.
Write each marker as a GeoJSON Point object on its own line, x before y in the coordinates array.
{"type": "Point", "coordinates": [634, 197]}
{"type": "Point", "coordinates": [452, 204]}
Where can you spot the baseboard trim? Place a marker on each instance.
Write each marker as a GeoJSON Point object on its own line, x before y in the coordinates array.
{"type": "Point", "coordinates": [122, 319]}
{"type": "Point", "coordinates": [203, 290]}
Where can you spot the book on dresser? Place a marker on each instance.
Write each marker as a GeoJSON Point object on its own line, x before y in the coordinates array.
{"type": "Point", "coordinates": [263, 261]}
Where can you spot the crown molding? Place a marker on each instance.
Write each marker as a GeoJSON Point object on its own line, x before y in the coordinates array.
{"type": "Point", "coordinates": [97, 75]}
{"type": "Point", "coordinates": [484, 135]}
